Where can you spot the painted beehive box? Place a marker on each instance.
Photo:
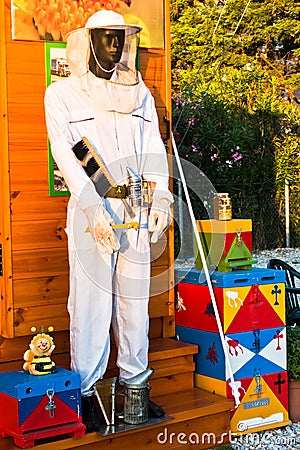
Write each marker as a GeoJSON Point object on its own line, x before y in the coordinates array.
{"type": "Point", "coordinates": [246, 300]}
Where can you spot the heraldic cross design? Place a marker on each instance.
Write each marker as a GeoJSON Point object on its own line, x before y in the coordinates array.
{"type": "Point", "coordinates": [278, 336]}
{"type": "Point", "coordinates": [278, 383]}
{"type": "Point", "coordinates": [275, 292]}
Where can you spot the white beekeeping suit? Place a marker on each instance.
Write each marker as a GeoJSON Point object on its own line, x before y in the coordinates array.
{"type": "Point", "coordinates": [109, 270]}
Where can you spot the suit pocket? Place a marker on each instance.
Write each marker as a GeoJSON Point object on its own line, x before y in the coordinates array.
{"type": "Point", "coordinates": [82, 124]}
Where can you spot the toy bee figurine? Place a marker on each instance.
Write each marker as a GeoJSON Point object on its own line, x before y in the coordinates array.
{"type": "Point", "coordinates": [37, 357]}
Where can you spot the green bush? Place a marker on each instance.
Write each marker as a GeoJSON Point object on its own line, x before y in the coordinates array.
{"type": "Point", "coordinates": [235, 67]}
{"type": "Point", "coordinates": [240, 132]}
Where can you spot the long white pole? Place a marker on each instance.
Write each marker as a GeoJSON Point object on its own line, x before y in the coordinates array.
{"type": "Point", "coordinates": [180, 211]}
{"type": "Point", "coordinates": [287, 213]}
{"type": "Point", "coordinates": [205, 268]}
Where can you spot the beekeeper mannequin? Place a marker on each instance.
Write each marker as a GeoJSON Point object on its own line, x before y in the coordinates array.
{"type": "Point", "coordinates": [106, 101]}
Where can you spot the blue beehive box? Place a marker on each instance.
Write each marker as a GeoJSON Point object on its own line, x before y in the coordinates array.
{"type": "Point", "coordinates": [230, 279]}
{"type": "Point", "coordinates": [249, 352]}
{"type": "Point", "coordinates": [32, 406]}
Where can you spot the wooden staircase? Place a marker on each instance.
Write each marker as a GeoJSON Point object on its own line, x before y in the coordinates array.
{"type": "Point", "coordinates": [198, 418]}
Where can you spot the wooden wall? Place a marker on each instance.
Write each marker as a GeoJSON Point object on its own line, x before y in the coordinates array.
{"type": "Point", "coordinates": [34, 282]}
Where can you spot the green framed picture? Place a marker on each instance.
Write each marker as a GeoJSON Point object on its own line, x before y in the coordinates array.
{"type": "Point", "coordinates": [57, 67]}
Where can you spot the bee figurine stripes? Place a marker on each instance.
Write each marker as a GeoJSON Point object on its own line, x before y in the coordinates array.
{"type": "Point", "coordinates": [38, 356]}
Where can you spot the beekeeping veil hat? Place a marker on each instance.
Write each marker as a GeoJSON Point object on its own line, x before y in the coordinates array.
{"type": "Point", "coordinates": [78, 47]}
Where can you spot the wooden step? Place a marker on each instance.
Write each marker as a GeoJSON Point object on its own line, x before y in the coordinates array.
{"type": "Point", "coordinates": [172, 361]}
{"type": "Point", "coordinates": [161, 349]}
{"type": "Point", "coordinates": [167, 348]}
{"type": "Point", "coordinates": [174, 365]}
{"type": "Point", "coordinates": [202, 417]}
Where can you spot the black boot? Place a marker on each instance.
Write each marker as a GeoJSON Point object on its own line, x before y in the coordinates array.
{"type": "Point", "coordinates": [90, 416]}
{"type": "Point", "coordinates": [155, 411]}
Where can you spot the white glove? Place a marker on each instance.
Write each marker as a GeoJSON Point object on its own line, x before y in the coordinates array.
{"type": "Point", "coordinates": [100, 225]}
{"type": "Point", "coordinates": [160, 215]}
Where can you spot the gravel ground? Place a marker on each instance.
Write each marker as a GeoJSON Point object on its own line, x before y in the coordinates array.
{"type": "Point", "coordinates": [289, 255]}
{"type": "Point", "coordinates": [286, 438]}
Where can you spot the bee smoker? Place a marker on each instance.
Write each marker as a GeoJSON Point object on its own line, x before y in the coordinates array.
{"type": "Point", "coordinates": [136, 401]}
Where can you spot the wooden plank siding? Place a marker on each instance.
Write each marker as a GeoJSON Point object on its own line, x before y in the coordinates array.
{"type": "Point", "coordinates": [34, 285]}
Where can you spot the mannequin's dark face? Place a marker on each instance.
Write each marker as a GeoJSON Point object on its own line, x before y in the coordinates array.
{"type": "Point", "coordinates": [108, 47]}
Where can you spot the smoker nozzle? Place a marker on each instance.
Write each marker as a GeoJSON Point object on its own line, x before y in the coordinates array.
{"type": "Point", "coordinates": [139, 381]}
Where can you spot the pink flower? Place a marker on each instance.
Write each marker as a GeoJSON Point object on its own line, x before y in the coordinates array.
{"type": "Point", "coordinates": [237, 156]}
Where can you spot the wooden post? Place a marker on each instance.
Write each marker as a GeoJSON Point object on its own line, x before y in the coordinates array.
{"type": "Point", "coordinates": [6, 306]}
